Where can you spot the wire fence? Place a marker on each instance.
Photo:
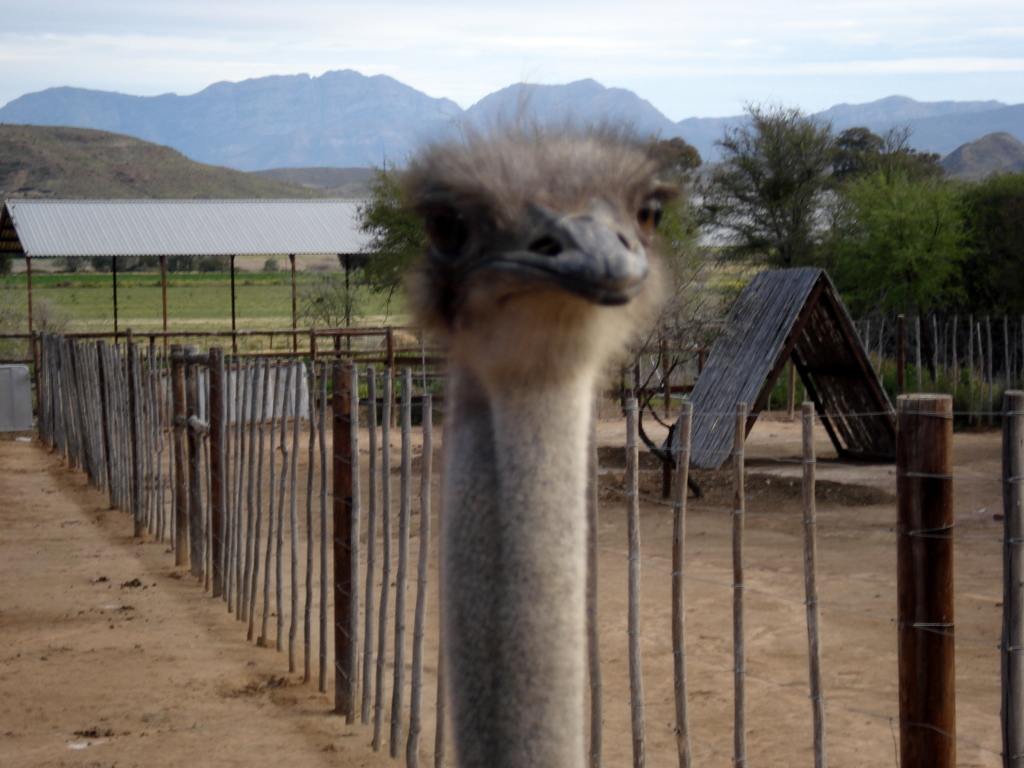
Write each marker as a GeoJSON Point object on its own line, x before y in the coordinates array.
{"type": "Point", "coordinates": [743, 627]}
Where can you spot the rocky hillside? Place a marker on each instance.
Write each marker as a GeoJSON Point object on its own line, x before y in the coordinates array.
{"type": "Point", "coordinates": [40, 161]}
{"type": "Point", "coordinates": [995, 153]}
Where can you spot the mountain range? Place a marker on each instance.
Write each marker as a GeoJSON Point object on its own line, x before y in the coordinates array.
{"type": "Point", "coordinates": [346, 119]}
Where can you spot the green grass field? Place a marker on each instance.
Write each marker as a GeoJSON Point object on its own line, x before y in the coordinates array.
{"type": "Point", "coordinates": [194, 301]}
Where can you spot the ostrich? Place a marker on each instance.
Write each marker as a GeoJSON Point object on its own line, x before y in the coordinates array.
{"type": "Point", "coordinates": [538, 268]}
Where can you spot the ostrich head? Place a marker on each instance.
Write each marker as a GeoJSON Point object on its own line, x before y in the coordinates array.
{"type": "Point", "coordinates": [540, 248]}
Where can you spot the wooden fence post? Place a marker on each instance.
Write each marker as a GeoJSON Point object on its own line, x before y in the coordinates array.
{"type": "Point", "coordinates": [593, 628]}
{"type": "Point", "coordinates": [133, 432]}
{"type": "Point", "coordinates": [104, 417]}
{"type": "Point", "coordinates": [636, 686]}
{"type": "Point", "coordinates": [665, 376]}
{"type": "Point", "coordinates": [416, 688]}
{"type": "Point", "coordinates": [389, 340]}
{"type": "Point", "coordinates": [1012, 710]}
{"type": "Point", "coordinates": [195, 514]}
{"type": "Point", "coordinates": [355, 515]}
{"type": "Point", "coordinates": [178, 445]}
{"type": "Point", "coordinates": [402, 570]}
{"type": "Point", "coordinates": [344, 679]}
{"type": "Point", "coordinates": [681, 456]}
{"type": "Point", "coordinates": [791, 391]}
{"type": "Point", "coordinates": [924, 580]}
{"type": "Point", "coordinates": [739, 642]}
{"type": "Point", "coordinates": [811, 586]}
{"type": "Point", "coordinates": [901, 355]}
{"type": "Point", "coordinates": [216, 418]}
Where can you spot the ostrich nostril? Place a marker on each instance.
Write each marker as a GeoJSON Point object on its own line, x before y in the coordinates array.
{"type": "Point", "coordinates": [625, 242]}
{"type": "Point", "coordinates": [546, 246]}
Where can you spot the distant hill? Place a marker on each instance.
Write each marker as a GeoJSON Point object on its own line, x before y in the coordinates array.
{"type": "Point", "coordinates": [40, 161]}
{"type": "Point", "coordinates": [943, 134]}
{"type": "Point", "coordinates": [336, 182]}
{"type": "Point", "coordinates": [936, 126]}
{"type": "Point", "coordinates": [585, 101]}
{"type": "Point", "coordinates": [339, 119]}
{"type": "Point", "coordinates": [995, 153]}
{"type": "Point", "coordinates": [345, 119]}
{"type": "Point", "coordinates": [880, 115]}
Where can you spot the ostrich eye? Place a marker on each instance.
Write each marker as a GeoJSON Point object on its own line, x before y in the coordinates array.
{"type": "Point", "coordinates": [446, 230]}
{"type": "Point", "coordinates": [649, 215]}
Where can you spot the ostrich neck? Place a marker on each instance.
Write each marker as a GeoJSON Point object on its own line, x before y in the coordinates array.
{"type": "Point", "coordinates": [514, 569]}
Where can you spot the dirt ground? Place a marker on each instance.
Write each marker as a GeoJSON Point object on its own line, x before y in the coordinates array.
{"type": "Point", "coordinates": [111, 656]}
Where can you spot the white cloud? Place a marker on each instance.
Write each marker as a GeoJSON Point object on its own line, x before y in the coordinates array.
{"type": "Point", "coordinates": [688, 57]}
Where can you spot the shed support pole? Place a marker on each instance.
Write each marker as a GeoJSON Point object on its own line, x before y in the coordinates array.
{"type": "Point", "coordinates": [28, 274]}
{"type": "Point", "coordinates": [924, 581]}
{"type": "Point", "coordinates": [32, 338]}
{"type": "Point", "coordinates": [234, 338]}
{"type": "Point", "coordinates": [163, 291]}
{"type": "Point", "coordinates": [295, 313]}
{"type": "Point", "coordinates": [113, 272]}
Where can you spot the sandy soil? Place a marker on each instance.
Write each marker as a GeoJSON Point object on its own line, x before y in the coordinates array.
{"type": "Point", "coordinates": [95, 672]}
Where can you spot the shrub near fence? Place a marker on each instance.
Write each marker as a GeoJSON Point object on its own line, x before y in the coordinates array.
{"type": "Point", "coordinates": [974, 358]}
{"type": "Point", "coordinates": [221, 482]}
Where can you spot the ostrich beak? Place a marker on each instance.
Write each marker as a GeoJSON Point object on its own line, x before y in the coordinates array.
{"type": "Point", "coordinates": [587, 255]}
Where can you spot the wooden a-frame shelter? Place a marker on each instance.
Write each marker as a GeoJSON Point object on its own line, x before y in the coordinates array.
{"type": "Point", "coordinates": [791, 314]}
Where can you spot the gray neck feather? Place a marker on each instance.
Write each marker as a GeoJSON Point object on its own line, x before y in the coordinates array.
{"type": "Point", "coordinates": [514, 570]}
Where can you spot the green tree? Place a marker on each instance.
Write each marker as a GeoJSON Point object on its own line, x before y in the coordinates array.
{"type": "Point", "coordinates": [859, 152]}
{"type": "Point", "coordinates": [396, 235]}
{"type": "Point", "coordinates": [332, 299]}
{"type": "Point", "coordinates": [675, 156]}
{"type": "Point", "coordinates": [855, 153]}
{"type": "Point", "coordinates": [896, 243]}
{"type": "Point", "coordinates": [993, 272]}
{"type": "Point", "coordinates": [764, 197]}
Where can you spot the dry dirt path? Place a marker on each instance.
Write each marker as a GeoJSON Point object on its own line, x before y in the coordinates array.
{"type": "Point", "coordinates": [86, 680]}
{"type": "Point", "coordinates": [97, 672]}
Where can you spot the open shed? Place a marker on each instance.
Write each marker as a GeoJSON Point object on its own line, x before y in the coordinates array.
{"type": "Point", "coordinates": [36, 229]}
{"type": "Point", "coordinates": [791, 314]}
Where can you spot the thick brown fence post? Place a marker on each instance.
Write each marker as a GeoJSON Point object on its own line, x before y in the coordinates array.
{"type": "Point", "coordinates": [216, 418]}
{"type": "Point", "coordinates": [924, 580]}
{"type": "Point", "coordinates": [178, 445]}
{"type": "Point", "coordinates": [344, 677]}
{"type": "Point", "coordinates": [1013, 581]}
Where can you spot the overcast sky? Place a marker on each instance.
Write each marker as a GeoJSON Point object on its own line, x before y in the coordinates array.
{"type": "Point", "coordinates": [689, 59]}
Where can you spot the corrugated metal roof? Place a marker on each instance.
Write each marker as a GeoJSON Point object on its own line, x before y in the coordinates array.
{"type": "Point", "coordinates": [50, 228]}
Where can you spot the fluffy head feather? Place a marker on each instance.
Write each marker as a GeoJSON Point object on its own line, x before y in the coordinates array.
{"type": "Point", "coordinates": [528, 193]}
